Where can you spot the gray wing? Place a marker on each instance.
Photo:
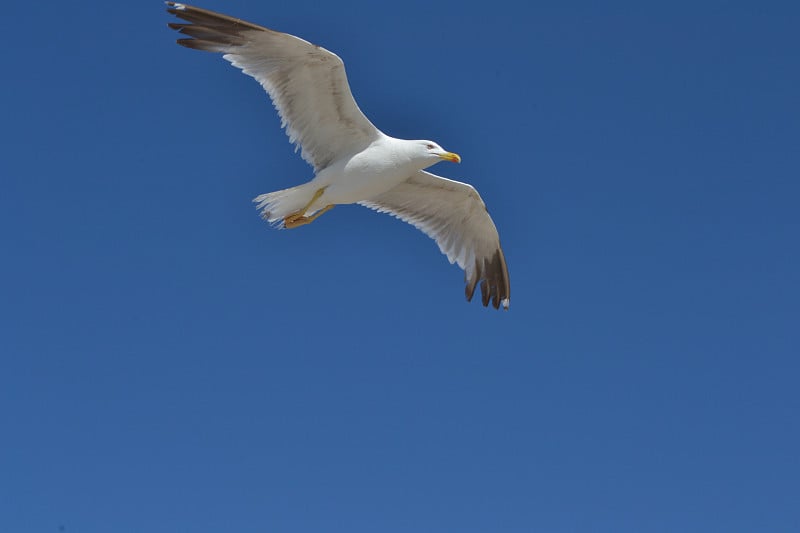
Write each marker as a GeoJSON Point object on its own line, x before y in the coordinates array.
{"type": "Point", "coordinates": [453, 214]}
{"type": "Point", "coordinates": [307, 84]}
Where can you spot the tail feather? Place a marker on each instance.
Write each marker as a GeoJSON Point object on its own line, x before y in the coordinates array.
{"type": "Point", "coordinates": [275, 206]}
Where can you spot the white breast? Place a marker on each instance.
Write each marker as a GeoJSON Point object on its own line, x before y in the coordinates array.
{"type": "Point", "coordinates": [374, 171]}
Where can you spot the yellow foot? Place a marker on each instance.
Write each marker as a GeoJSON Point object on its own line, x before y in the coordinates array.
{"type": "Point", "coordinates": [299, 219]}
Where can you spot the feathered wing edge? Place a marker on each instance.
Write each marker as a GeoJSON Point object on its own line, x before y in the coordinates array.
{"type": "Point", "coordinates": [453, 214]}
{"type": "Point", "coordinates": [307, 84]}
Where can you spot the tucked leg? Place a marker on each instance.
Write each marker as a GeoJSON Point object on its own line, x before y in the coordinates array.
{"type": "Point", "coordinates": [300, 219]}
{"type": "Point", "coordinates": [294, 221]}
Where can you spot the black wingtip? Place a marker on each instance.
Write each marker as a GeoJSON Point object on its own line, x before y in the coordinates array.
{"type": "Point", "coordinates": [493, 277]}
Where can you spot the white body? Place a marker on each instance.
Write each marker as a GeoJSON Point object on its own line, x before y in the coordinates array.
{"type": "Point", "coordinates": [384, 164]}
{"type": "Point", "coordinates": [362, 176]}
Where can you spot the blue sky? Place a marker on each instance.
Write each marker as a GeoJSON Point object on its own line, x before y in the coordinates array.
{"type": "Point", "coordinates": [170, 363]}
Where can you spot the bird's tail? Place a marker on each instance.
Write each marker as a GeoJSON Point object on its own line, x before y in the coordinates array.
{"type": "Point", "coordinates": [275, 206]}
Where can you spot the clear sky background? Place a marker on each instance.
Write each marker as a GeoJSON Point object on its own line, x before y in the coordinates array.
{"type": "Point", "coordinates": [170, 363]}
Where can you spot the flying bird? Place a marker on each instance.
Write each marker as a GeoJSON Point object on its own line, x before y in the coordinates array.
{"type": "Point", "coordinates": [354, 162]}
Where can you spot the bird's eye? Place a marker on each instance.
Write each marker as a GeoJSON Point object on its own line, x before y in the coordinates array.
{"type": "Point", "coordinates": [430, 147]}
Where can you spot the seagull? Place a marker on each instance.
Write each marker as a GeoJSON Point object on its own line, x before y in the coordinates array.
{"type": "Point", "coordinates": [353, 161]}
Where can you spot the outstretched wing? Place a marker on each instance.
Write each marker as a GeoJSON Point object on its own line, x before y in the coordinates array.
{"type": "Point", "coordinates": [307, 83]}
{"type": "Point", "coordinates": [453, 214]}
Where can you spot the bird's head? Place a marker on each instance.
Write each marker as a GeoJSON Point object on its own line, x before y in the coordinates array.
{"type": "Point", "coordinates": [435, 153]}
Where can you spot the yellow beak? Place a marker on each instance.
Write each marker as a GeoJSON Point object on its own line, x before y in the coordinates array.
{"type": "Point", "coordinates": [450, 156]}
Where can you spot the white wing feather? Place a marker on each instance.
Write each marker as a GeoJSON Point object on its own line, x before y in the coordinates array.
{"type": "Point", "coordinates": [307, 84]}
{"type": "Point", "coordinates": [454, 215]}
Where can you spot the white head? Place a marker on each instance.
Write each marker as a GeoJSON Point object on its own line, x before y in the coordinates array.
{"type": "Point", "coordinates": [432, 153]}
